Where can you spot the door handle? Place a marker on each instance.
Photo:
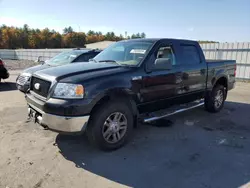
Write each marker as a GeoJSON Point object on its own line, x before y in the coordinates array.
{"type": "Point", "coordinates": [137, 78]}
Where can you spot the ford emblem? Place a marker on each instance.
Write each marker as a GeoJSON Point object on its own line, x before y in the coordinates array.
{"type": "Point", "coordinates": [37, 86]}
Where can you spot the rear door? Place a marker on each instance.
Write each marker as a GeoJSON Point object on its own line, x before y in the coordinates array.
{"type": "Point", "coordinates": [194, 70]}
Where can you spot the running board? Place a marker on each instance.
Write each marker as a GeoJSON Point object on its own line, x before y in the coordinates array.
{"type": "Point", "coordinates": [189, 107]}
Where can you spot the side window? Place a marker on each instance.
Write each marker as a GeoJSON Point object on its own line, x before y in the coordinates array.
{"type": "Point", "coordinates": [166, 52]}
{"type": "Point", "coordinates": [81, 58]}
{"type": "Point", "coordinates": [190, 55]}
{"type": "Point", "coordinates": [94, 54]}
{"type": "Point", "coordinates": [85, 57]}
{"type": "Point", "coordinates": [90, 55]}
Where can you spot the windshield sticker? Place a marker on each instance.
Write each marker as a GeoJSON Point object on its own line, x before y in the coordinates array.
{"type": "Point", "coordinates": [118, 48]}
{"type": "Point", "coordinates": [73, 56]}
{"type": "Point", "coordinates": [138, 51]}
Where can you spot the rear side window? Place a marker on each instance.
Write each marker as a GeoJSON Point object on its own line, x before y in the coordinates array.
{"type": "Point", "coordinates": [190, 55]}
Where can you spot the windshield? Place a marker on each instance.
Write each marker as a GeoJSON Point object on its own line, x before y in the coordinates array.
{"type": "Point", "coordinates": [64, 57]}
{"type": "Point", "coordinates": [125, 52]}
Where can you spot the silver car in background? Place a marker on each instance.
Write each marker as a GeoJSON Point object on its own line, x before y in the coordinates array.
{"type": "Point", "coordinates": [63, 58]}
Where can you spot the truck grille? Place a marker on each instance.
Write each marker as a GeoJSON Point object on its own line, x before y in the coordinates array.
{"type": "Point", "coordinates": [22, 80]}
{"type": "Point", "coordinates": [39, 86]}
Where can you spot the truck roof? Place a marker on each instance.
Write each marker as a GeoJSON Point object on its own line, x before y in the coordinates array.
{"type": "Point", "coordinates": [84, 50]}
{"type": "Point", "coordinates": [159, 39]}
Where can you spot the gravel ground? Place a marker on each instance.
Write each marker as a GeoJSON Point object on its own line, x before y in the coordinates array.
{"type": "Point", "coordinates": [200, 150]}
{"type": "Point", "coordinates": [19, 64]}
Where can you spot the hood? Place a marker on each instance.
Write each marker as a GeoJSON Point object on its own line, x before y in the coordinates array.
{"type": "Point", "coordinates": [74, 69]}
{"type": "Point", "coordinates": [31, 70]}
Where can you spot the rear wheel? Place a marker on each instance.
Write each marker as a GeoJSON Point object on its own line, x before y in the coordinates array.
{"type": "Point", "coordinates": [214, 101]}
{"type": "Point", "coordinates": [111, 125]}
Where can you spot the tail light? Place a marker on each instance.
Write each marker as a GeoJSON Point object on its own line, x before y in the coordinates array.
{"type": "Point", "coordinates": [1, 62]}
{"type": "Point", "coordinates": [235, 68]}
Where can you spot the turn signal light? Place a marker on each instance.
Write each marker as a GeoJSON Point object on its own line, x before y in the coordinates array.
{"type": "Point", "coordinates": [79, 90]}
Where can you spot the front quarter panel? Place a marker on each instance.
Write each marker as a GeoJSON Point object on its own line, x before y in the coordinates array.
{"type": "Point", "coordinates": [116, 84]}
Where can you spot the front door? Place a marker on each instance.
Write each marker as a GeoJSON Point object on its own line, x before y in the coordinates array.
{"type": "Point", "coordinates": [160, 85]}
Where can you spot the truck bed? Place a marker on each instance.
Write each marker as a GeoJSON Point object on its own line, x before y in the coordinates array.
{"type": "Point", "coordinates": [212, 63]}
{"type": "Point", "coordinates": [220, 61]}
{"type": "Point", "coordinates": [222, 67]}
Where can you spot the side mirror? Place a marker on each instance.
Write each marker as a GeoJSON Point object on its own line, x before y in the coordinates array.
{"type": "Point", "coordinates": [163, 64]}
{"type": "Point", "coordinates": [39, 60]}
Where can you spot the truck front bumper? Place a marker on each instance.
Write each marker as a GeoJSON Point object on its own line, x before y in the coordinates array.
{"type": "Point", "coordinates": [63, 124]}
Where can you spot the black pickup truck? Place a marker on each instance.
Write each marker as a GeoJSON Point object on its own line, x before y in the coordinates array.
{"type": "Point", "coordinates": [127, 80]}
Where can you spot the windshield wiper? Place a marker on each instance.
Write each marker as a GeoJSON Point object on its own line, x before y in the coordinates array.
{"type": "Point", "coordinates": [111, 61]}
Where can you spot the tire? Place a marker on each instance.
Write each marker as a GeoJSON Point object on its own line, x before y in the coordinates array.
{"type": "Point", "coordinates": [214, 101]}
{"type": "Point", "coordinates": [103, 123]}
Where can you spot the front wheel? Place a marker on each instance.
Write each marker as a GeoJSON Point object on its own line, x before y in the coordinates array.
{"type": "Point", "coordinates": [111, 125]}
{"type": "Point", "coordinates": [214, 101]}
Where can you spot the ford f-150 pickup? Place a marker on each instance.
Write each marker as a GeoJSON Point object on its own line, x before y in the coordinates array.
{"type": "Point", "coordinates": [130, 80]}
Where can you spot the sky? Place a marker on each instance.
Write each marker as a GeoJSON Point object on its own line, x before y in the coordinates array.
{"type": "Point", "coordinates": [217, 20]}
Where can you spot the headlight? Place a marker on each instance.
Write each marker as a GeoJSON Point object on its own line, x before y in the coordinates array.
{"type": "Point", "coordinates": [68, 91]}
{"type": "Point", "coordinates": [23, 78]}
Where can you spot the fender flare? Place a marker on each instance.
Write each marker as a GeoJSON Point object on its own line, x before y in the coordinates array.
{"type": "Point", "coordinates": [117, 93]}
